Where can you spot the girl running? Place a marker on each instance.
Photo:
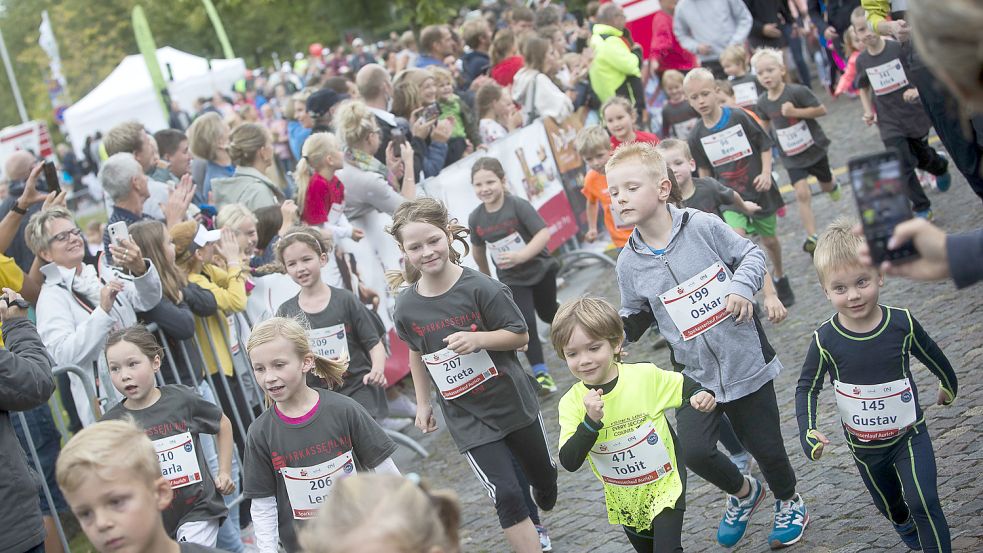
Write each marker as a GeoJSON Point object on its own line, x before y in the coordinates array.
{"type": "Point", "coordinates": [463, 328]}
{"type": "Point", "coordinates": [340, 327]}
{"type": "Point", "coordinates": [619, 117]}
{"type": "Point", "coordinates": [516, 235]}
{"type": "Point", "coordinates": [308, 440]}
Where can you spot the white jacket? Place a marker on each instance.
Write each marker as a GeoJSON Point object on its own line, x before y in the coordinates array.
{"type": "Point", "coordinates": [530, 87]}
{"type": "Point", "coordinates": [73, 334]}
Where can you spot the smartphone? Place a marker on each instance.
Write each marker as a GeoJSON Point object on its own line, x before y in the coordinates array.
{"type": "Point", "coordinates": [118, 233]}
{"type": "Point", "coordinates": [431, 112]}
{"type": "Point", "coordinates": [882, 203]}
{"type": "Point", "coordinates": [51, 177]}
{"type": "Point", "coordinates": [397, 138]}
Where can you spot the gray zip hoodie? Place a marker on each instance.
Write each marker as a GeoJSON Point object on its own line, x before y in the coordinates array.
{"type": "Point", "coordinates": [733, 360]}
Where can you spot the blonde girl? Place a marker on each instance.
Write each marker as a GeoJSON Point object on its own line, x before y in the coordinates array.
{"type": "Point", "coordinates": [320, 194]}
{"type": "Point", "coordinates": [307, 440]}
{"type": "Point", "coordinates": [463, 328]}
{"type": "Point", "coordinates": [619, 116]}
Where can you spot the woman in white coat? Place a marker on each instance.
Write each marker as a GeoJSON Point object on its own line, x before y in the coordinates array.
{"type": "Point", "coordinates": [76, 311]}
{"type": "Point", "coordinates": [534, 89]}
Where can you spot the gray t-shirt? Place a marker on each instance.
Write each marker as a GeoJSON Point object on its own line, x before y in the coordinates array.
{"type": "Point", "coordinates": [179, 410]}
{"type": "Point", "coordinates": [476, 302]}
{"type": "Point", "coordinates": [339, 426]}
{"type": "Point", "coordinates": [709, 196]}
{"type": "Point", "coordinates": [895, 117]}
{"type": "Point", "coordinates": [771, 110]}
{"type": "Point", "coordinates": [515, 216]}
{"type": "Point", "coordinates": [361, 335]}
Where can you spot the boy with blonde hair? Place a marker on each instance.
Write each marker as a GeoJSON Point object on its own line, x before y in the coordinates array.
{"type": "Point", "coordinates": [678, 117]}
{"type": "Point", "coordinates": [594, 147]}
{"type": "Point", "coordinates": [746, 87]}
{"type": "Point", "coordinates": [696, 277]}
{"type": "Point", "coordinates": [110, 476]}
{"type": "Point", "coordinates": [865, 348]}
{"type": "Point", "coordinates": [731, 147]}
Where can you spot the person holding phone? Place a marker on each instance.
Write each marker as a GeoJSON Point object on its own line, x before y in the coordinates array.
{"type": "Point", "coordinates": [414, 97]}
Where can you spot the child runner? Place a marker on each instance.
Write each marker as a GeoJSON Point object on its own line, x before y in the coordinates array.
{"type": "Point", "coordinates": [730, 147]}
{"type": "Point", "coordinates": [614, 416]}
{"type": "Point", "coordinates": [746, 87]}
{"type": "Point", "coordinates": [619, 118]}
{"type": "Point", "coordinates": [865, 349]}
{"type": "Point", "coordinates": [111, 478]}
{"type": "Point", "coordinates": [339, 326]}
{"type": "Point", "coordinates": [513, 232]}
{"type": "Point", "coordinates": [792, 110]}
{"type": "Point", "coordinates": [173, 416]}
{"type": "Point", "coordinates": [307, 440]}
{"type": "Point", "coordinates": [497, 113]}
{"type": "Point", "coordinates": [463, 328]}
{"type": "Point", "coordinates": [892, 103]}
{"type": "Point", "coordinates": [677, 258]}
{"type": "Point", "coordinates": [678, 117]}
{"type": "Point", "coordinates": [594, 146]}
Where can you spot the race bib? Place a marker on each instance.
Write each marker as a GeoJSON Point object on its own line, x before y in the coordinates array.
{"type": "Point", "coordinates": [877, 411]}
{"type": "Point", "coordinates": [330, 342]}
{"type": "Point", "coordinates": [887, 77]}
{"type": "Point", "coordinates": [634, 459]}
{"type": "Point", "coordinates": [698, 304]}
{"type": "Point", "coordinates": [616, 217]}
{"type": "Point", "coordinates": [178, 460]}
{"type": "Point", "coordinates": [233, 334]}
{"type": "Point", "coordinates": [728, 145]}
{"type": "Point", "coordinates": [746, 94]}
{"type": "Point", "coordinates": [682, 130]}
{"type": "Point", "coordinates": [795, 139]}
{"type": "Point", "coordinates": [511, 243]}
{"type": "Point", "coordinates": [456, 374]}
{"type": "Point", "coordinates": [308, 487]}
{"type": "Point", "coordinates": [335, 213]}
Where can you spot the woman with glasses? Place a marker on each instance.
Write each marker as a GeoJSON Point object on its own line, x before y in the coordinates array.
{"type": "Point", "coordinates": [77, 308]}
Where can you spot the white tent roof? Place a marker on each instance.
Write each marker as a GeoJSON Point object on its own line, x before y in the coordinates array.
{"type": "Point", "coordinates": [127, 93]}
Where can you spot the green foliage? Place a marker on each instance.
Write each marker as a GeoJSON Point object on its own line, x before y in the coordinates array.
{"type": "Point", "coordinates": [94, 36]}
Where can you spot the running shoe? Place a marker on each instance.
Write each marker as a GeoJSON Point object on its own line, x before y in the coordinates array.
{"type": "Point", "coordinates": [944, 181]}
{"type": "Point", "coordinates": [546, 384]}
{"type": "Point", "coordinates": [909, 534]}
{"type": "Point", "coordinates": [544, 538]}
{"type": "Point", "coordinates": [785, 293]}
{"type": "Point", "coordinates": [734, 524]}
{"type": "Point", "coordinates": [791, 518]}
{"type": "Point", "coordinates": [810, 244]}
{"type": "Point", "coordinates": [545, 499]}
{"type": "Point", "coordinates": [836, 193]}
{"type": "Point", "coordinates": [925, 214]}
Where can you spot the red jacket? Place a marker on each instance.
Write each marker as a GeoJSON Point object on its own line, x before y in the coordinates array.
{"type": "Point", "coordinates": [666, 49]}
{"type": "Point", "coordinates": [505, 71]}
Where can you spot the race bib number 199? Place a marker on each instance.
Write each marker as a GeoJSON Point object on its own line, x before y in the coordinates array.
{"type": "Point", "coordinates": [698, 304]}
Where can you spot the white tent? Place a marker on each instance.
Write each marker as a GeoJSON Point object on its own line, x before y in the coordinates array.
{"type": "Point", "coordinates": [127, 92]}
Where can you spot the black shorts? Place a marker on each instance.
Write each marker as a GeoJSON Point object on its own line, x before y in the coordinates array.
{"type": "Point", "coordinates": [820, 170]}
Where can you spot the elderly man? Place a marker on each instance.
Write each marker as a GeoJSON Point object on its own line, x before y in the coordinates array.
{"type": "Point", "coordinates": [17, 169]}
{"type": "Point", "coordinates": [706, 27]}
{"type": "Point", "coordinates": [616, 69]}
{"type": "Point", "coordinates": [161, 203]}
{"type": "Point", "coordinates": [436, 43]}
{"type": "Point", "coordinates": [125, 183]}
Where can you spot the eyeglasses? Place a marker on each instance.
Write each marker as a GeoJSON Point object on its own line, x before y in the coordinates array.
{"type": "Point", "coordinates": [65, 235]}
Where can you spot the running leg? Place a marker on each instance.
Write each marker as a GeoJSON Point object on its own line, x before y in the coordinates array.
{"type": "Point", "coordinates": [915, 464]}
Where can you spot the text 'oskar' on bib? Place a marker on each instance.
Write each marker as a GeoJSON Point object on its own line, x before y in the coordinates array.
{"type": "Point", "coordinates": [698, 304]}
{"type": "Point", "coordinates": [456, 374]}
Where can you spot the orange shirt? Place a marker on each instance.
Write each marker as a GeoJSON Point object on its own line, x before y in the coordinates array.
{"type": "Point", "coordinates": [596, 190]}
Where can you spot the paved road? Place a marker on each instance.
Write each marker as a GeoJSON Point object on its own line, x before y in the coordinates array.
{"type": "Point", "coordinates": [843, 518]}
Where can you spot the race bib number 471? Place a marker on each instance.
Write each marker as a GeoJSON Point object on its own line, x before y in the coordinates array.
{"type": "Point", "coordinates": [698, 304]}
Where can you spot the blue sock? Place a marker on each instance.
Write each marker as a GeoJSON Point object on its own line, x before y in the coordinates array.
{"type": "Point", "coordinates": [539, 368]}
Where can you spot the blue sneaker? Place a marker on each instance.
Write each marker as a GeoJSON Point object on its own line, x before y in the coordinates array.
{"type": "Point", "coordinates": [544, 538]}
{"type": "Point", "coordinates": [943, 181]}
{"type": "Point", "coordinates": [909, 534]}
{"type": "Point", "coordinates": [734, 523]}
{"type": "Point", "coordinates": [791, 518]}
{"type": "Point", "coordinates": [925, 214]}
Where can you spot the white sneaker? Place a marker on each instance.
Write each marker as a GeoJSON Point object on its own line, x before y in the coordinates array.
{"type": "Point", "coordinates": [402, 406]}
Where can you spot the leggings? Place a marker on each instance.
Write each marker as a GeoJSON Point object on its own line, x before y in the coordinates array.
{"type": "Point", "coordinates": [667, 526]}
{"type": "Point", "coordinates": [492, 464]}
{"type": "Point", "coordinates": [539, 298]}
{"type": "Point", "coordinates": [756, 422]}
{"type": "Point", "coordinates": [901, 480]}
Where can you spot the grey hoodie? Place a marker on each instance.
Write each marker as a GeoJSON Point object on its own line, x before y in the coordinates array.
{"type": "Point", "coordinates": [733, 360]}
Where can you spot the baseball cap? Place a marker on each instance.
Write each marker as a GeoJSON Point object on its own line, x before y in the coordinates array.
{"type": "Point", "coordinates": [323, 100]}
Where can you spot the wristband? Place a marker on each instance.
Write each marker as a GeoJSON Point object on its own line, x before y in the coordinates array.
{"type": "Point", "coordinates": [17, 209]}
